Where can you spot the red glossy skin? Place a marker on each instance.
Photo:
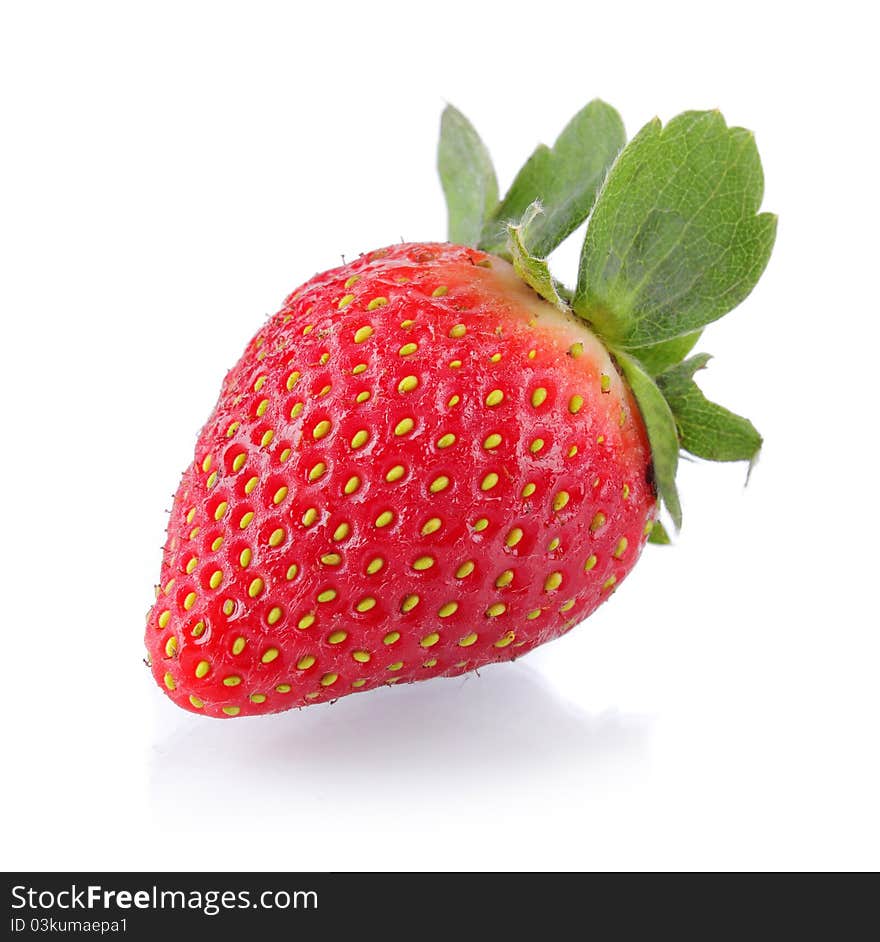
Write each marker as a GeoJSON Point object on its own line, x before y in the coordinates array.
{"type": "Point", "coordinates": [582, 501]}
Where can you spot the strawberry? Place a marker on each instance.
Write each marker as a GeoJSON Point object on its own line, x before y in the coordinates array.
{"type": "Point", "coordinates": [436, 457]}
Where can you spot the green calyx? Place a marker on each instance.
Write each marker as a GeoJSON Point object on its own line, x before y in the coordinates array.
{"type": "Point", "coordinates": [674, 241]}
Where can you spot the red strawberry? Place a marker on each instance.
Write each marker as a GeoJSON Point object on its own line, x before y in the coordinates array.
{"type": "Point", "coordinates": [417, 467]}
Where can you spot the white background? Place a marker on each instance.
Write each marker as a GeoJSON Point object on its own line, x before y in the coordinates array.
{"type": "Point", "coordinates": [169, 173]}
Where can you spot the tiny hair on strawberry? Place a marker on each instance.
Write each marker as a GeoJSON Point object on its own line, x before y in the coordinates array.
{"type": "Point", "coordinates": [439, 456]}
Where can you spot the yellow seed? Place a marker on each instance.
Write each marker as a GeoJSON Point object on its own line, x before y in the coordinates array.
{"type": "Point", "coordinates": [197, 702]}
{"type": "Point", "coordinates": [553, 544]}
{"type": "Point", "coordinates": [164, 618]}
{"type": "Point", "coordinates": [590, 563]}
{"type": "Point", "coordinates": [283, 688]}
{"type": "Point", "coordinates": [190, 515]}
{"type": "Point", "coordinates": [395, 474]}
{"type": "Point", "coordinates": [310, 516]}
{"type": "Point", "coordinates": [228, 607]}
{"type": "Point", "coordinates": [468, 640]}
{"type": "Point", "coordinates": [626, 492]}
{"type": "Point", "coordinates": [231, 681]}
{"type": "Point", "coordinates": [465, 569]}
{"type": "Point", "coordinates": [306, 622]}
{"type": "Point", "coordinates": [292, 379]}
{"type": "Point", "coordinates": [377, 302]}
{"type": "Point", "coordinates": [328, 595]}
{"type": "Point", "coordinates": [351, 282]}
{"type": "Point", "coordinates": [365, 604]}
{"type": "Point", "coordinates": [384, 518]}
{"type": "Point", "coordinates": [274, 615]}
{"type": "Point", "coordinates": [567, 606]}
{"type": "Point", "coordinates": [492, 441]}
{"type": "Point", "coordinates": [206, 464]}
{"type": "Point", "coordinates": [276, 537]}
{"type": "Point", "coordinates": [168, 586]}
{"type": "Point", "coordinates": [496, 609]}
{"type": "Point", "coordinates": [404, 426]}
{"type": "Point", "coordinates": [222, 507]}
{"type": "Point", "coordinates": [319, 470]}
{"type": "Point", "coordinates": [504, 579]}
{"type": "Point", "coordinates": [514, 536]}
{"type": "Point", "coordinates": [405, 325]}
{"type": "Point", "coordinates": [255, 588]}
{"type": "Point", "coordinates": [481, 524]}
{"type": "Point", "coordinates": [598, 522]}
{"type": "Point", "coordinates": [572, 451]}
{"type": "Point", "coordinates": [362, 657]}
{"type": "Point", "coordinates": [374, 565]}
{"type": "Point", "coordinates": [217, 544]}
{"type": "Point", "coordinates": [431, 662]}
{"type": "Point", "coordinates": [305, 662]}
{"type": "Point", "coordinates": [216, 579]}
{"type": "Point", "coordinates": [232, 710]}
{"type": "Point", "coordinates": [560, 500]}
{"type": "Point", "coordinates": [259, 383]}
{"type": "Point", "coordinates": [450, 608]}
{"type": "Point", "coordinates": [439, 484]}
{"type": "Point", "coordinates": [238, 462]}
{"type": "Point", "coordinates": [169, 681]}
{"type": "Point", "coordinates": [202, 669]}
{"type": "Point", "coordinates": [212, 479]}
{"type": "Point", "coordinates": [362, 396]}
{"type": "Point", "coordinates": [269, 655]}
{"type": "Point", "coordinates": [292, 570]}
{"type": "Point", "coordinates": [345, 301]}
{"type": "Point", "coordinates": [553, 581]}
{"type": "Point", "coordinates": [363, 333]}
{"type": "Point", "coordinates": [431, 526]}
{"type": "Point", "coordinates": [409, 603]}
{"type": "Point", "coordinates": [239, 645]}
{"type": "Point", "coordinates": [313, 695]}
{"type": "Point", "coordinates": [459, 330]}
{"type": "Point", "coordinates": [575, 404]}
{"type": "Point", "coordinates": [246, 520]}
{"type": "Point", "coordinates": [360, 438]}
{"type": "Point", "coordinates": [407, 384]}
{"type": "Point", "coordinates": [536, 445]}
{"type": "Point", "coordinates": [528, 489]}
{"type": "Point", "coordinates": [430, 640]}
{"type": "Point", "coordinates": [352, 484]}
{"type": "Point", "coordinates": [198, 629]}
{"type": "Point", "coordinates": [329, 679]}
{"type": "Point", "coordinates": [609, 582]}
{"type": "Point", "coordinates": [495, 358]}
{"type": "Point", "coordinates": [251, 484]}
{"type": "Point", "coordinates": [446, 440]}
{"type": "Point", "coordinates": [171, 647]}
{"type": "Point", "coordinates": [494, 398]}
{"type": "Point", "coordinates": [360, 368]}
{"type": "Point", "coordinates": [439, 291]}
{"type": "Point", "coordinates": [341, 532]}
{"type": "Point", "coordinates": [489, 481]}
{"type": "Point", "coordinates": [454, 364]}
{"type": "Point", "coordinates": [262, 406]}
{"type": "Point", "coordinates": [423, 563]}
{"type": "Point", "coordinates": [296, 409]}
{"type": "Point", "coordinates": [191, 565]}
{"type": "Point", "coordinates": [395, 666]}
{"type": "Point", "coordinates": [321, 429]}
{"type": "Point", "coordinates": [504, 641]}
{"type": "Point", "coordinates": [620, 549]}
{"type": "Point", "coordinates": [605, 383]}
{"type": "Point", "coordinates": [257, 698]}
{"type": "Point", "coordinates": [189, 601]}
{"type": "Point", "coordinates": [338, 637]}
{"type": "Point", "coordinates": [539, 396]}
{"type": "Point", "coordinates": [453, 401]}
{"type": "Point", "coordinates": [268, 435]}
{"type": "Point", "coordinates": [391, 638]}
{"type": "Point", "coordinates": [358, 683]}
{"type": "Point", "coordinates": [324, 390]}
{"type": "Point", "coordinates": [232, 429]}
{"type": "Point", "coordinates": [279, 495]}
{"type": "Point", "coordinates": [408, 349]}
{"type": "Point", "coordinates": [331, 559]}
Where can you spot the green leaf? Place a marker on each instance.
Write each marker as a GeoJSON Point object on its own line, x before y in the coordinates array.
{"type": "Point", "coordinates": [659, 535]}
{"type": "Point", "coordinates": [533, 271]}
{"type": "Point", "coordinates": [662, 434]}
{"type": "Point", "coordinates": [706, 429]}
{"type": "Point", "coordinates": [674, 242]}
{"type": "Point", "coordinates": [467, 177]}
{"type": "Point", "coordinates": [563, 178]}
{"type": "Point", "coordinates": [661, 356]}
